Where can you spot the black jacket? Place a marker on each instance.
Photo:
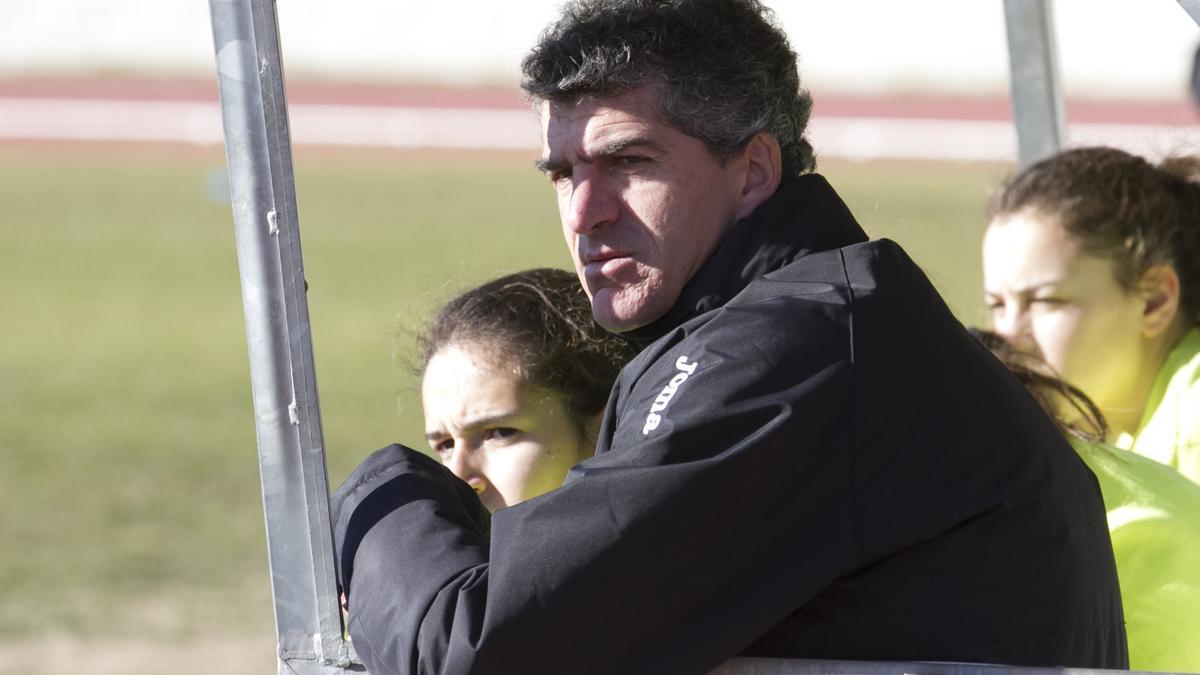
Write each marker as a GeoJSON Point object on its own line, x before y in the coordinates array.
{"type": "Point", "coordinates": [811, 458]}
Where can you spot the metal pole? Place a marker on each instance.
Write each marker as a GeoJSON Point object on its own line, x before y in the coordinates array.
{"type": "Point", "coordinates": [287, 417]}
{"type": "Point", "coordinates": [1037, 99]}
{"type": "Point", "coordinates": [1192, 7]}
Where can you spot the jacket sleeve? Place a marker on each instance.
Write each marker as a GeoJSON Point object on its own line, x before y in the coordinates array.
{"type": "Point", "coordinates": [696, 531]}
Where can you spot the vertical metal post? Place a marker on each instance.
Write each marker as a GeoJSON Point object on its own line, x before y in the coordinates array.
{"type": "Point", "coordinates": [287, 417]}
{"type": "Point", "coordinates": [1192, 7]}
{"type": "Point", "coordinates": [1037, 99]}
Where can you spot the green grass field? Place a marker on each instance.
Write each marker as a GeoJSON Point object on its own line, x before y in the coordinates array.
{"type": "Point", "coordinates": [129, 493]}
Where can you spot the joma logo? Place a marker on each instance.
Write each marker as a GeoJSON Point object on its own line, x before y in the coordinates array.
{"type": "Point", "coordinates": [664, 397]}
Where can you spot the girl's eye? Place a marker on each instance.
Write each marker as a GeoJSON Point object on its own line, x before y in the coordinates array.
{"type": "Point", "coordinates": [1048, 302]}
{"type": "Point", "coordinates": [501, 433]}
{"type": "Point", "coordinates": [444, 447]}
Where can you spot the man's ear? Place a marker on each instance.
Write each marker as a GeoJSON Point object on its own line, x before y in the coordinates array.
{"type": "Point", "coordinates": [1159, 288]}
{"type": "Point", "coordinates": [764, 170]}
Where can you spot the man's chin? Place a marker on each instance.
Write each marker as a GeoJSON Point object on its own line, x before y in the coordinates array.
{"type": "Point", "coordinates": [608, 312]}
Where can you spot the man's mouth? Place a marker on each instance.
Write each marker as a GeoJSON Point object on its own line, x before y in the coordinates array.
{"type": "Point", "coordinates": [605, 263]}
{"type": "Point", "coordinates": [601, 256]}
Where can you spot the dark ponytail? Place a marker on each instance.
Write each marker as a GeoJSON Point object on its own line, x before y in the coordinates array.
{"type": "Point", "coordinates": [1185, 172]}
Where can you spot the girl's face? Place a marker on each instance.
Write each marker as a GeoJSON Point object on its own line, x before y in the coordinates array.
{"type": "Point", "coordinates": [509, 441]}
{"type": "Point", "coordinates": [1043, 292]}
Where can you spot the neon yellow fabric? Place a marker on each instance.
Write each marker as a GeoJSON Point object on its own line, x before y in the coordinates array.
{"type": "Point", "coordinates": [1170, 429]}
{"type": "Point", "coordinates": [1154, 522]}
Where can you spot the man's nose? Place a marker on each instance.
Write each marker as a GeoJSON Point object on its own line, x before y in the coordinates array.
{"type": "Point", "coordinates": [462, 464]}
{"type": "Point", "coordinates": [592, 203]}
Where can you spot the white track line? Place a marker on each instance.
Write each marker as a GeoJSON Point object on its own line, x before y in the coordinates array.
{"type": "Point", "coordinates": [515, 129]}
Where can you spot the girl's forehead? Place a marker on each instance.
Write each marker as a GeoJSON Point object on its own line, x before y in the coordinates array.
{"type": "Point", "coordinates": [463, 372]}
{"type": "Point", "coordinates": [1022, 256]}
{"type": "Point", "coordinates": [1027, 238]}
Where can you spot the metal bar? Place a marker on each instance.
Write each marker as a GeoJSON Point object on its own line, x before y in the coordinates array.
{"type": "Point", "coordinates": [1037, 99]}
{"type": "Point", "coordinates": [283, 381]}
{"type": "Point", "coordinates": [1192, 7]}
{"type": "Point", "coordinates": [761, 666]}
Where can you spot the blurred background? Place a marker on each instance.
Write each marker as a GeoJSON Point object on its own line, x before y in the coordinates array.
{"type": "Point", "coordinates": [130, 508]}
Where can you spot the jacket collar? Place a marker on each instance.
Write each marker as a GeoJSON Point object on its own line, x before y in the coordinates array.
{"type": "Point", "coordinates": [804, 216]}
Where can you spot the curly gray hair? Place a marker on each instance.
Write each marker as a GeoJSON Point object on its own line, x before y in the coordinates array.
{"type": "Point", "coordinates": [724, 70]}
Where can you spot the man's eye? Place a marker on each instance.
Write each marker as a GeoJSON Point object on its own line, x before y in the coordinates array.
{"type": "Point", "coordinates": [558, 176]}
{"type": "Point", "coordinates": [629, 160]}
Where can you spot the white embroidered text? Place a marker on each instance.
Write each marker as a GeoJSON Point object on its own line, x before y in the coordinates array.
{"type": "Point", "coordinates": [664, 397]}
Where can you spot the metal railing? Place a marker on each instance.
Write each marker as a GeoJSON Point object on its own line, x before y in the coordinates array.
{"type": "Point", "coordinates": [748, 666]}
{"type": "Point", "coordinates": [1039, 110]}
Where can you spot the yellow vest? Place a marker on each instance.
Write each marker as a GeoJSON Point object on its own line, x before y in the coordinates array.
{"type": "Point", "coordinates": [1154, 522]}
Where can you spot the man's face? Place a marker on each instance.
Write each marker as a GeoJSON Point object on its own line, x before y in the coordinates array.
{"type": "Point", "coordinates": [642, 204]}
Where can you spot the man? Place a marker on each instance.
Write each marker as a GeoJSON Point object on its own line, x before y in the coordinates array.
{"type": "Point", "coordinates": [810, 457]}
